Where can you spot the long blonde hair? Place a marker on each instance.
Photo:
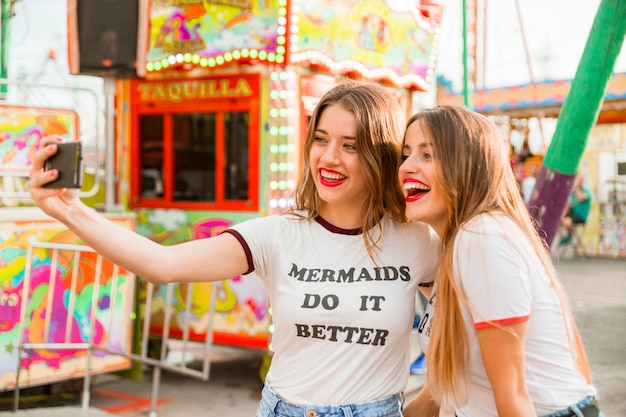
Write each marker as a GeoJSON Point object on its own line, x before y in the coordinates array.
{"type": "Point", "coordinates": [473, 168]}
{"type": "Point", "coordinates": [380, 123]}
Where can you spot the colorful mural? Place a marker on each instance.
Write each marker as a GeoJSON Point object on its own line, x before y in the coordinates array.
{"type": "Point", "coordinates": [242, 315]}
{"type": "Point", "coordinates": [354, 36]}
{"type": "Point", "coordinates": [208, 32]}
{"type": "Point", "coordinates": [340, 34]}
{"type": "Point", "coordinates": [612, 230]}
{"type": "Point", "coordinates": [60, 306]}
{"type": "Point", "coordinates": [21, 128]}
{"type": "Point", "coordinates": [604, 233]}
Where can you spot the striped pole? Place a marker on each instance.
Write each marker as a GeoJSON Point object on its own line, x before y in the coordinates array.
{"type": "Point", "coordinates": [578, 115]}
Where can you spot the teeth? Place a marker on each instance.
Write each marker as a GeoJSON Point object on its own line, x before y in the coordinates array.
{"type": "Point", "coordinates": [332, 176]}
{"type": "Point", "coordinates": [415, 186]}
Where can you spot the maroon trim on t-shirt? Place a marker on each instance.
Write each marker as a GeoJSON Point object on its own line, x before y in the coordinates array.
{"type": "Point", "coordinates": [245, 247]}
{"type": "Point", "coordinates": [335, 229]}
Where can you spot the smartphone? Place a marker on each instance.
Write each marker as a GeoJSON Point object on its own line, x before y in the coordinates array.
{"type": "Point", "coordinates": [69, 162]}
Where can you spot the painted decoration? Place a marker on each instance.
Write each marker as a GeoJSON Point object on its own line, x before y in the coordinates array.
{"type": "Point", "coordinates": [202, 33]}
{"type": "Point", "coordinates": [612, 230]}
{"type": "Point", "coordinates": [604, 233]}
{"type": "Point", "coordinates": [379, 39]}
{"type": "Point", "coordinates": [21, 129]}
{"type": "Point", "coordinates": [60, 306]}
{"type": "Point", "coordinates": [241, 317]}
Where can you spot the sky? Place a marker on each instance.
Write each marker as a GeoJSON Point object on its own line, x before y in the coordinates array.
{"type": "Point", "coordinates": [556, 33]}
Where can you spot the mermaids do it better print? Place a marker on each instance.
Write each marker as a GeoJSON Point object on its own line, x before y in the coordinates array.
{"type": "Point", "coordinates": [346, 334]}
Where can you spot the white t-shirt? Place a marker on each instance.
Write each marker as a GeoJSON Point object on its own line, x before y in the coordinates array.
{"type": "Point", "coordinates": [505, 282]}
{"type": "Point", "coordinates": [342, 322]}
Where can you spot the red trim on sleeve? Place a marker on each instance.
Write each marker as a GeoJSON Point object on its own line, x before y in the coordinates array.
{"type": "Point", "coordinates": [501, 322]}
{"type": "Point", "coordinates": [245, 247]}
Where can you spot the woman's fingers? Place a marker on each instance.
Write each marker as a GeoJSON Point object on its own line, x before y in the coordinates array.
{"type": "Point", "coordinates": [38, 176]}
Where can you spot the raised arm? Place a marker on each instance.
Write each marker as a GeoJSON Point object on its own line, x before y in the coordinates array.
{"type": "Point", "coordinates": [209, 259]}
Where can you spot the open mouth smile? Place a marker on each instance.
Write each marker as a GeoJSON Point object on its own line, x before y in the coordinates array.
{"type": "Point", "coordinates": [331, 178]}
{"type": "Point", "coordinates": [415, 190]}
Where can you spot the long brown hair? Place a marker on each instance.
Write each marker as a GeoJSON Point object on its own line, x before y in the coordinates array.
{"type": "Point", "coordinates": [472, 166]}
{"type": "Point", "coordinates": [380, 123]}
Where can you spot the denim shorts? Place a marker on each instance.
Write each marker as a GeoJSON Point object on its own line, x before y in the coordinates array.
{"type": "Point", "coordinates": [576, 409]}
{"type": "Point", "coordinates": [272, 405]}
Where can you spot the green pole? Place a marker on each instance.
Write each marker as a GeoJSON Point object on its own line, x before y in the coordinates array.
{"type": "Point", "coordinates": [578, 115]}
{"type": "Point", "coordinates": [584, 100]}
{"type": "Point", "coordinates": [466, 100]}
{"type": "Point", "coordinates": [4, 42]}
{"type": "Point", "coordinates": [5, 9]}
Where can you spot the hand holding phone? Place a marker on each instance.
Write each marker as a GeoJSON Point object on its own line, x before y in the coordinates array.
{"type": "Point", "coordinates": [69, 162]}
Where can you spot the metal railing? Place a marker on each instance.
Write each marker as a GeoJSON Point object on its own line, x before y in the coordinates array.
{"type": "Point", "coordinates": [76, 254]}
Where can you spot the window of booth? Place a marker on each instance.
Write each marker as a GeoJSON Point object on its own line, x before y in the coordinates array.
{"type": "Point", "coordinates": [196, 157]}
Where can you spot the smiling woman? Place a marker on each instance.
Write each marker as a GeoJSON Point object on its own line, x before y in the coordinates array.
{"type": "Point", "coordinates": [342, 266]}
{"type": "Point", "coordinates": [336, 167]}
{"type": "Point", "coordinates": [417, 174]}
{"type": "Point", "coordinates": [498, 333]}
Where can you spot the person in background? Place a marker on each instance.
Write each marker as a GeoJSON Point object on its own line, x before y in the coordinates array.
{"type": "Point", "coordinates": [577, 209]}
{"type": "Point", "coordinates": [499, 336]}
{"type": "Point", "coordinates": [342, 266]}
{"type": "Point", "coordinates": [528, 183]}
